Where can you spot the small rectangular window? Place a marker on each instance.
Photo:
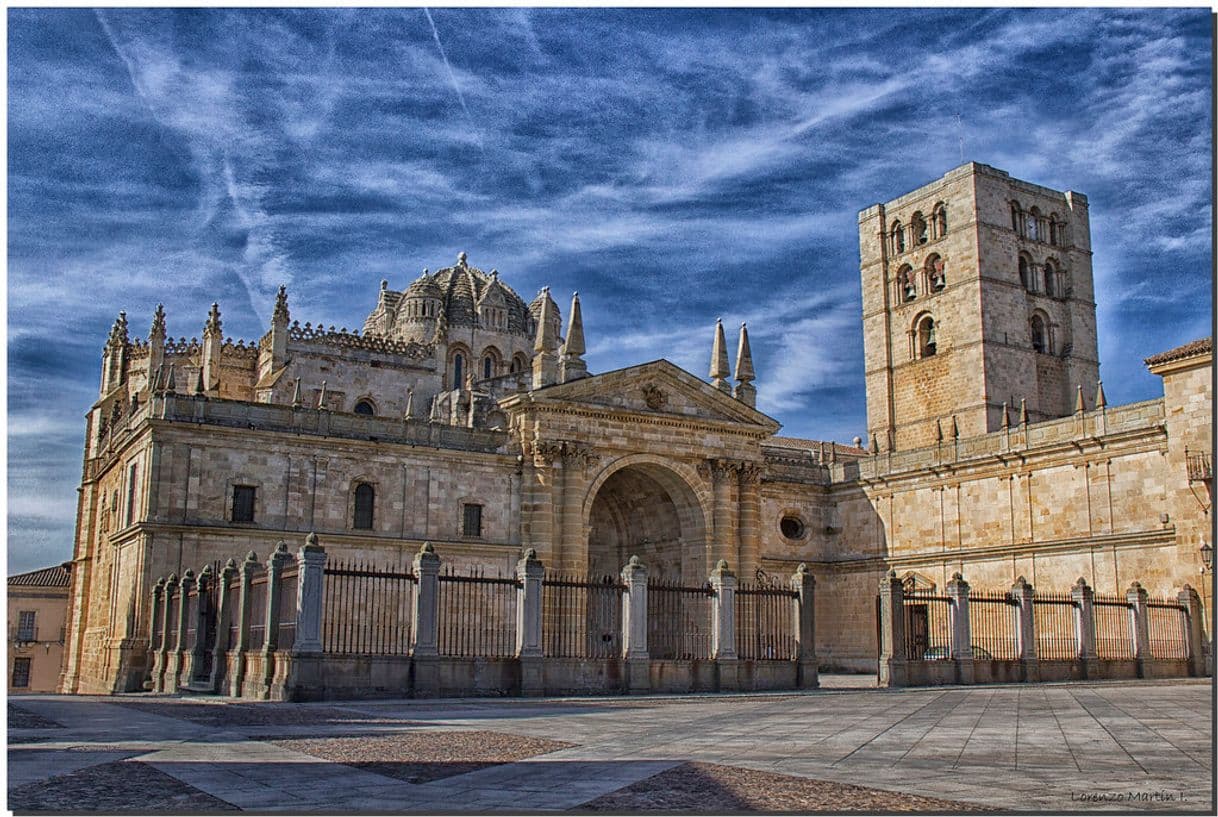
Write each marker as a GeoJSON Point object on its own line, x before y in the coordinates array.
{"type": "Point", "coordinates": [243, 503]}
{"type": "Point", "coordinates": [25, 626]}
{"type": "Point", "coordinates": [131, 475]}
{"type": "Point", "coordinates": [471, 523]}
{"type": "Point", "coordinates": [21, 673]}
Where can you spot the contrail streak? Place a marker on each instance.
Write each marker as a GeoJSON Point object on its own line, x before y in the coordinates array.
{"type": "Point", "coordinates": [443, 56]}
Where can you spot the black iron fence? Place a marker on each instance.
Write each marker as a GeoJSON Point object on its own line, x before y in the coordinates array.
{"type": "Point", "coordinates": [994, 626]}
{"type": "Point", "coordinates": [1167, 628]}
{"type": "Point", "coordinates": [765, 623]}
{"type": "Point", "coordinates": [581, 616]}
{"type": "Point", "coordinates": [286, 610]}
{"type": "Point", "coordinates": [928, 626]}
{"type": "Point", "coordinates": [678, 620]}
{"type": "Point", "coordinates": [1056, 628]}
{"type": "Point", "coordinates": [1113, 620]}
{"type": "Point", "coordinates": [367, 609]}
{"type": "Point", "coordinates": [257, 610]}
{"type": "Point", "coordinates": [477, 614]}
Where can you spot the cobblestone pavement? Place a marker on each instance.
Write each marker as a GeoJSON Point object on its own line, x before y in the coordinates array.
{"type": "Point", "coordinates": [1134, 745]}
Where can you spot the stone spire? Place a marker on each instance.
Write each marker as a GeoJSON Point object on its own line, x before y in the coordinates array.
{"type": "Point", "coordinates": [718, 371]}
{"type": "Point", "coordinates": [1023, 411]}
{"type": "Point", "coordinates": [281, 314]}
{"type": "Point", "coordinates": [1079, 406]}
{"type": "Point", "coordinates": [118, 332]}
{"type": "Point", "coordinates": [156, 343]}
{"type": "Point", "coordinates": [745, 391]}
{"type": "Point", "coordinates": [280, 319]}
{"type": "Point", "coordinates": [1006, 417]}
{"type": "Point", "coordinates": [409, 404]}
{"type": "Point", "coordinates": [1100, 400]}
{"type": "Point", "coordinates": [321, 397]}
{"type": "Point", "coordinates": [171, 384]}
{"type": "Point", "coordinates": [213, 342]}
{"type": "Point", "coordinates": [545, 345]}
{"type": "Point", "coordinates": [572, 366]}
{"type": "Point", "coordinates": [938, 430]}
{"type": "Point", "coordinates": [296, 394]}
{"type": "Point", "coordinates": [114, 356]}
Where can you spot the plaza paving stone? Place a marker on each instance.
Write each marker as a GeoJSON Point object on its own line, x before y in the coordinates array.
{"type": "Point", "coordinates": [1046, 747]}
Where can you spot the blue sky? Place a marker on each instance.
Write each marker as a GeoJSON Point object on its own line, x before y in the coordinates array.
{"type": "Point", "coordinates": [673, 166]}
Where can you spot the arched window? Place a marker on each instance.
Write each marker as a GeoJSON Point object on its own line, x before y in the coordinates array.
{"type": "Point", "coordinates": [1040, 341]}
{"type": "Point", "coordinates": [1051, 283]}
{"type": "Point", "coordinates": [365, 501]}
{"type": "Point", "coordinates": [458, 370]}
{"type": "Point", "coordinates": [935, 276]}
{"type": "Point", "coordinates": [906, 288]}
{"type": "Point", "coordinates": [927, 343]}
{"type": "Point", "coordinates": [1015, 218]}
{"type": "Point", "coordinates": [919, 228]}
{"type": "Point", "coordinates": [515, 367]}
{"type": "Point", "coordinates": [940, 217]}
{"type": "Point", "coordinates": [898, 237]}
{"type": "Point", "coordinates": [1025, 272]}
{"type": "Point", "coordinates": [488, 367]}
{"type": "Point", "coordinates": [1034, 224]}
{"type": "Point", "coordinates": [365, 407]}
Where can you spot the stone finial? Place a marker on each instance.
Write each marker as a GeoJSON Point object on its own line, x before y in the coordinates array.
{"type": "Point", "coordinates": [875, 444]}
{"type": "Point", "coordinates": [296, 401]}
{"type": "Point", "coordinates": [435, 417]}
{"type": "Point", "coordinates": [745, 392]}
{"type": "Point", "coordinates": [384, 284]}
{"type": "Point", "coordinates": [955, 428]}
{"type": "Point", "coordinates": [545, 340]}
{"type": "Point", "coordinates": [1021, 582]}
{"type": "Point", "coordinates": [938, 430]}
{"type": "Point", "coordinates": [321, 397]}
{"type": "Point", "coordinates": [718, 370]}
{"type": "Point", "coordinates": [530, 555]}
{"type": "Point", "coordinates": [157, 332]}
{"type": "Point", "coordinates": [427, 547]}
{"type": "Point", "coordinates": [171, 384]}
{"type": "Point", "coordinates": [1079, 407]}
{"type": "Point", "coordinates": [892, 574]}
{"type": "Point", "coordinates": [957, 576]}
{"type": "Point", "coordinates": [251, 556]}
{"type": "Point", "coordinates": [858, 442]}
{"type": "Point", "coordinates": [409, 404]}
{"type": "Point", "coordinates": [213, 326]}
{"type": "Point", "coordinates": [1135, 586]}
{"type": "Point", "coordinates": [802, 568]}
{"type": "Point", "coordinates": [199, 387]}
{"type": "Point", "coordinates": [572, 364]}
{"type": "Point", "coordinates": [462, 259]}
{"type": "Point", "coordinates": [635, 561]}
{"type": "Point", "coordinates": [311, 540]}
{"type": "Point", "coordinates": [231, 563]}
{"type": "Point", "coordinates": [721, 564]}
{"type": "Point", "coordinates": [1081, 582]}
{"type": "Point", "coordinates": [1023, 411]}
{"type": "Point", "coordinates": [281, 316]}
{"type": "Point", "coordinates": [281, 546]}
{"type": "Point", "coordinates": [1100, 400]}
{"type": "Point", "coordinates": [1006, 416]}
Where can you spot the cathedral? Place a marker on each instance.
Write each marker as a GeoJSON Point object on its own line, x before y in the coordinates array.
{"type": "Point", "coordinates": [460, 415]}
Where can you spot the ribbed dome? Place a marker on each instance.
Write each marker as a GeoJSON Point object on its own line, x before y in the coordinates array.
{"type": "Point", "coordinates": [461, 286]}
{"type": "Point", "coordinates": [424, 287]}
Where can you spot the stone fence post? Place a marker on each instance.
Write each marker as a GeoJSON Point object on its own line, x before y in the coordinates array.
{"type": "Point", "coordinates": [275, 564]}
{"type": "Point", "coordinates": [962, 628]}
{"type": "Point", "coordinates": [723, 625]}
{"type": "Point", "coordinates": [1084, 627]}
{"type": "Point", "coordinates": [156, 631]}
{"type": "Point", "coordinates": [169, 632]}
{"type": "Point", "coordinates": [200, 615]}
{"type": "Point", "coordinates": [1025, 628]}
{"type": "Point", "coordinates": [1137, 598]}
{"type": "Point", "coordinates": [236, 676]}
{"type": "Point", "coordinates": [634, 627]}
{"type": "Point", "coordinates": [178, 660]}
{"type": "Point", "coordinates": [310, 592]}
{"type": "Point", "coordinates": [893, 670]}
{"type": "Point", "coordinates": [803, 614]}
{"type": "Point", "coordinates": [1196, 631]}
{"type": "Point", "coordinates": [224, 618]}
{"type": "Point", "coordinates": [425, 621]}
{"type": "Point", "coordinates": [529, 572]}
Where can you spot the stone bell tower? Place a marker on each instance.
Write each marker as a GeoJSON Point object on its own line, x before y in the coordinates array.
{"type": "Point", "coordinates": [977, 294]}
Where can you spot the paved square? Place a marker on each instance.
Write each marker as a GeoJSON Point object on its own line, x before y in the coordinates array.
{"type": "Point", "coordinates": [1049, 747]}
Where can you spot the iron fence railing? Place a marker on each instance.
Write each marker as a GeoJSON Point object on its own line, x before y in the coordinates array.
{"type": "Point", "coordinates": [678, 620]}
{"type": "Point", "coordinates": [581, 616]}
{"type": "Point", "coordinates": [994, 626]}
{"type": "Point", "coordinates": [286, 636]}
{"type": "Point", "coordinates": [477, 614]}
{"type": "Point", "coordinates": [928, 626]}
{"type": "Point", "coordinates": [1113, 638]}
{"type": "Point", "coordinates": [1056, 628]}
{"type": "Point", "coordinates": [257, 610]}
{"type": "Point", "coordinates": [765, 624]}
{"type": "Point", "coordinates": [367, 609]}
{"type": "Point", "coordinates": [1167, 628]}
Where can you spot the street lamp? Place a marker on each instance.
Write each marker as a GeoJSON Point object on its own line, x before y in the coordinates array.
{"type": "Point", "coordinates": [1207, 558]}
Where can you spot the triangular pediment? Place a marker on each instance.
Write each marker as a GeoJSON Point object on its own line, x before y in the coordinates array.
{"type": "Point", "coordinates": [656, 388]}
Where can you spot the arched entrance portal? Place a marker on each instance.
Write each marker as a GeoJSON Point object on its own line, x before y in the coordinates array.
{"type": "Point", "coordinates": [648, 510]}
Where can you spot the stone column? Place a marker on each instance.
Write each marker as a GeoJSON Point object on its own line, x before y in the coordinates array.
{"type": "Point", "coordinates": [224, 617]}
{"type": "Point", "coordinates": [723, 539]}
{"type": "Point", "coordinates": [803, 613]}
{"type": "Point", "coordinates": [1084, 627]}
{"type": "Point", "coordinates": [156, 631]}
{"type": "Point", "coordinates": [1194, 630]}
{"type": "Point", "coordinates": [200, 614]}
{"type": "Point", "coordinates": [236, 677]}
{"type": "Point", "coordinates": [1137, 599]}
{"type": "Point", "coordinates": [634, 627]}
{"type": "Point", "coordinates": [177, 661]}
{"type": "Point", "coordinates": [529, 572]}
{"type": "Point", "coordinates": [962, 629]}
{"type": "Point", "coordinates": [310, 586]}
{"type": "Point", "coordinates": [723, 626]}
{"type": "Point", "coordinates": [1025, 639]}
{"type": "Point", "coordinates": [569, 553]}
{"type": "Point", "coordinates": [425, 622]}
{"type": "Point", "coordinates": [275, 564]}
{"type": "Point", "coordinates": [749, 531]}
{"type": "Point", "coordinates": [893, 670]}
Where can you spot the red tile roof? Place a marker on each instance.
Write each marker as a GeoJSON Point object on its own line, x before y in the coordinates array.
{"type": "Point", "coordinates": [57, 576]}
{"type": "Point", "coordinates": [1200, 346]}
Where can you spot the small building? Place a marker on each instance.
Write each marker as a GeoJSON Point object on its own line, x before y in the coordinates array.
{"type": "Point", "coordinates": [37, 614]}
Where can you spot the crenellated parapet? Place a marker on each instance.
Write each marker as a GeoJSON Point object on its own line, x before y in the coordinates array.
{"type": "Point", "coordinates": [343, 338]}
